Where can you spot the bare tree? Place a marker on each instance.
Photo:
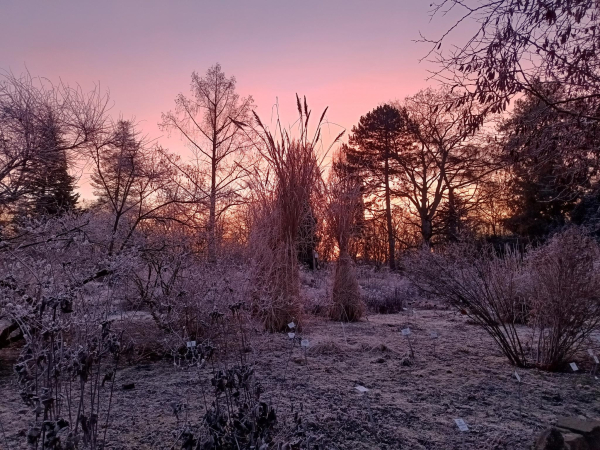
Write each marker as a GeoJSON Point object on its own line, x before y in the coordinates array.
{"type": "Point", "coordinates": [519, 43]}
{"type": "Point", "coordinates": [132, 179]}
{"type": "Point", "coordinates": [206, 121]}
{"type": "Point", "coordinates": [443, 156]}
{"type": "Point", "coordinates": [29, 107]}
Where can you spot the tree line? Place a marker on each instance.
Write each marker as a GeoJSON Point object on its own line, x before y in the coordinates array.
{"type": "Point", "coordinates": [444, 165]}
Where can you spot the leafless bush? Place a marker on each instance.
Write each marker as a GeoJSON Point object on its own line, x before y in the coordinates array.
{"type": "Point", "coordinates": [66, 369]}
{"type": "Point", "coordinates": [480, 283]}
{"type": "Point", "coordinates": [386, 301]}
{"type": "Point", "coordinates": [181, 293]}
{"type": "Point", "coordinates": [553, 290]}
{"type": "Point", "coordinates": [315, 286]}
{"type": "Point", "coordinates": [563, 289]}
{"type": "Point", "coordinates": [385, 292]}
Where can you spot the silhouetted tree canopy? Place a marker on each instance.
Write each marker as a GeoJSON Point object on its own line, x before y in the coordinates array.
{"type": "Point", "coordinates": [517, 44]}
{"type": "Point", "coordinates": [375, 144]}
{"type": "Point", "coordinates": [553, 158]}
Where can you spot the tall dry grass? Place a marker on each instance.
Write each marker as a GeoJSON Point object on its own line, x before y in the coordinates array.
{"type": "Point", "coordinates": [285, 189]}
{"type": "Point", "coordinates": [342, 213]}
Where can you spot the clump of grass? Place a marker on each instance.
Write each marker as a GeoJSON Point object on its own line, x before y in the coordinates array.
{"type": "Point", "coordinates": [347, 302]}
{"type": "Point", "coordinates": [285, 192]}
{"type": "Point", "coordinates": [328, 347]}
{"type": "Point", "coordinates": [343, 210]}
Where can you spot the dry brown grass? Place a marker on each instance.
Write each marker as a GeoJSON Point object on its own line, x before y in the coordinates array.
{"type": "Point", "coordinates": [285, 191]}
{"type": "Point", "coordinates": [347, 302]}
{"type": "Point", "coordinates": [344, 208]}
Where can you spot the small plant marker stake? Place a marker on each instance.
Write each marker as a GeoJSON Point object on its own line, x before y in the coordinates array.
{"type": "Point", "coordinates": [363, 390]}
{"type": "Point", "coordinates": [344, 331]}
{"type": "Point", "coordinates": [518, 377]}
{"type": "Point", "coordinates": [434, 336]}
{"type": "Point", "coordinates": [574, 368]}
{"type": "Point", "coordinates": [406, 332]}
{"type": "Point", "coordinates": [305, 344]}
{"type": "Point", "coordinates": [595, 359]}
{"type": "Point", "coordinates": [463, 428]}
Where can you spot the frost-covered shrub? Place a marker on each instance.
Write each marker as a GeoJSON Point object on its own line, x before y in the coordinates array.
{"type": "Point", "coordinates": [183, 294]}
{"type": "Point", "coordinates": [67, 365]}
{"type": "Point", "coordinates": [385, 292]}
{"type": "Point", "coordinates": [553, 290]}
{"type": "Point", "coordinates": [563, 292]}
{"type": "Point", "coordinates": [479, 282]}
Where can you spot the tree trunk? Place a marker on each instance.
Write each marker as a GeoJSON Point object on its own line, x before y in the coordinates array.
{"type": "Point", "coordinates": [452, 216]}
{"type": "Point", "coordinates": [388, 214]}
{"type": "Point", "coordinates": [212, 212]}
{"type": "Point", "coordinates": [426, 230]}
{"type": "Point", "coordinates": [212, 219]}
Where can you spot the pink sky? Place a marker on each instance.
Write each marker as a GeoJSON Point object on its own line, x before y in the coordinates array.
{"type": "Point", "coordinates": [348, 55]}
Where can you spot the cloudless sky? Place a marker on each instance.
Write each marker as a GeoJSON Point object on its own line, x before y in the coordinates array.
{"type": "Point", "coordinates": [346, 54]}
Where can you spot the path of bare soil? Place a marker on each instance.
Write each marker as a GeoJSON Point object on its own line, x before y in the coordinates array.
{"type": "Point", "coordinates": [411, 403]}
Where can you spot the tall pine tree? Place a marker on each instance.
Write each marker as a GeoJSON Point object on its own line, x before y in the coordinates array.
{"type": "Point", "coordinates": [52, 188]}
{"type": "Point", "coordinates": [374, 145]}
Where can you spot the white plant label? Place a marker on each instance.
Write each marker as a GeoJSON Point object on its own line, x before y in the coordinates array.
{"type": "Point", "coordinates": [574, 367]}
{"type": "Point", "coordinates": [405, 332]}
{"type": "Point", "coordinates": [361, 389]}
{"type": "Point", "coordinates": [462, 426]}
{"type": "Point", "coordinates": [191, 344]}
{"type": "Point", "coordinates": [304, 343]}
{"type": "Point", "coordinates": [291, 325]}
{"type": "Point", "coordinates": [291, 335]}
{"type": "Point", "coordinates": [596, 360]}
{"type": "Point", "coordinates": [517, 376]}
{"type": "Point", "coordinates": [434, 334]}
